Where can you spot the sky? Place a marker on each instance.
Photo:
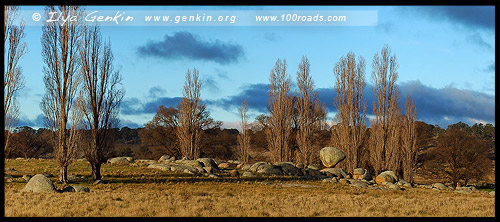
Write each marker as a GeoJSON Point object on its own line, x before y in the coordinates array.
{"type": "Point", "coordinates": [445, 53]}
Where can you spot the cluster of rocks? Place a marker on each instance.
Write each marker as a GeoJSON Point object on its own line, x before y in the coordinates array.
{"type": "Point", "coordinates": [199, 166]}
{"type": "Point", "coordinates": [458, 189]}
{"type": "Point", "coordinates": [121, 160]}
{"type": "Point", "coordinates": [281, 169]}
{"type": "Point", "coordinates": [329, 156]}
{"type": "Point", "coordinates": [386, 180]}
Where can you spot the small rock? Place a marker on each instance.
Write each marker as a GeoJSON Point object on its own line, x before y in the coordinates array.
{"type": "Point", "coordinates": [234, 173]}
{"type": "Point", "coordinates": [468, 188]}
{"type": "Point", "coordinates": [68, 189]}
{"type": "Point", "coordinates": [164, 158]}
{"type": "Point", "coordinates": [8, 178]}
{"type": "Point", "coordinates": [403, 183]}
{"type": "Point", "coordinates": [213, 176]}
{"type": "Point", "coordinates": [360, 173]}
{"type": "Point", "coordinates": [159, 166]}
{"type": "Point", "coordinates": [26, 177]}
{"type": "Point", "coordinates": [81, 189]}
{"type": "Point", "coordinates": [491, 193]}
{"type": "Point", "coordinates": [145, 163]}
{"type": "Point", "coordinates": [76, 189]}
{"type": "Point", "coordinates": [119, 160]}
{"type": "Point", "coordinates": [248, 174]}
{"type": "Point", "coordinates": [224, 165]}
{"type": "Point", "coordinates": [391, 186]}
{"type": "Point", "coordinates": [330, 180]}
{"type": "Point", "coordinates": [440, 186]}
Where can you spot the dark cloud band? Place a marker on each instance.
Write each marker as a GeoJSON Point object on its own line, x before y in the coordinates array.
{"type": "Point", "coordinates": [186, 45]}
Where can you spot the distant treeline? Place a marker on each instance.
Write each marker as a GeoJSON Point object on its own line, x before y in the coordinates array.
{"type": "Point", "coordinates": [144, 143]}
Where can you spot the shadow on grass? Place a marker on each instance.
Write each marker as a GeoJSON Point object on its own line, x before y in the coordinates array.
{"type": "Point", "coordinates": [194, 179]}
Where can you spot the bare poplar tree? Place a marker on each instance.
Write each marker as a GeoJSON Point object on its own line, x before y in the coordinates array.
{"type": "Point", "coordinates": [14, 49]}
{"type": "Point", "coordinates": [384, 139]}
{"type": "Point", "coordinates": [60, 53]}
{"type": "Point", "coordinates": [409, 140]}
{"type": "Point", "coordinates": [244, 137]}
{"type": "Point", "coordinates": [310, 114]}
{"type": "Point", "coordinates": [102, 94]}
{"type": "Point", "coordinates": [193, 117]}
{"type": "Point", "coordinates": [281, 110]}
{"type": "Point", "coordinates": [348, 134]}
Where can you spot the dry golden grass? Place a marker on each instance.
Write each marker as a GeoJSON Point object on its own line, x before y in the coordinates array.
{"type": "Point", "coordinates": [153, 193]}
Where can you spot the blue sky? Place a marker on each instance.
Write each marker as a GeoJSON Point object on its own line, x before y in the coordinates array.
{"type": "Point", "coordinates": [446, 58]}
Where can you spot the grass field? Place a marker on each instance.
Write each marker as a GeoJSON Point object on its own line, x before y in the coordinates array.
{"type": "Point", "coordinates": [142, 192]}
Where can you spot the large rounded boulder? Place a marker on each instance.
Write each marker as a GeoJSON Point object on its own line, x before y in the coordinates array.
{"type": "Point", "coordinates": [256, 166]}
{"type": "Point", "coordinates": [289, 168]}
{"type": "Point", "coordinates": [208, 162]}
{"type": "Point", "coordinates": [331, 156]}
{"type": "Point", "coordinates": [270, 169]}
{"type": "Point", "coordinates": [387, 176]}
{"type": "Point", "coordinates": [39, 183]}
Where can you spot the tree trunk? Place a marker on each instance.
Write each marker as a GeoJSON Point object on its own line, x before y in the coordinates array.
{"type": "Point", "coordinates": [96, 171]}
{"type": "Point", "coordinates": [63, 175]}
